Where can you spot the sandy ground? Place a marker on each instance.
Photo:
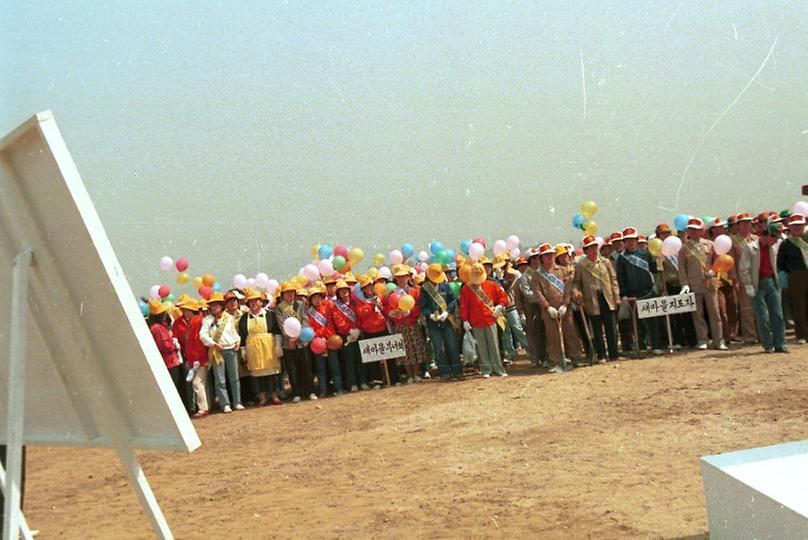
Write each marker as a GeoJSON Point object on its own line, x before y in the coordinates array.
{"type": "Point", "coordinates": [605, 451]}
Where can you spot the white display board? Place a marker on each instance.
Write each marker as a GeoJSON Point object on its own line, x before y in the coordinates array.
{"type": "Point", "coordinates": [758, 493]}
{"type": "Point", "coordinates": [92, 373]}
{"type": "Point", "coordinates": [382, 348]}
{"type": "Point", "coordinates": [666, 305]}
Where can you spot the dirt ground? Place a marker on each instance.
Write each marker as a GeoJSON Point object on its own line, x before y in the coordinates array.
{"type": "Point", "coordinates": [605, 451]}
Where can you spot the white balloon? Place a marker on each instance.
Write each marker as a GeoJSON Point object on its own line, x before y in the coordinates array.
{"type": "Point", "coordinates": [312, 272]}
{"type": "Point", "coordinates": [722, 244]}
{"type": "Point", "coordinates": [292, 327]}
{"type": "Point", "coordinates": [671, 246]}
{"type": "Point", "coordinates": [386, 272]}
{"type": "Point", "coordinates": [476, 251]}
{"type": "Point", "coordinates": [272, 286]}
{"type": "Point", "coordinates": [512, 242]}
{"type": "Point", "coordinates": [154, 293]}
{"type": "Point", "coordinates": [166, 263]}
{"type": "Point", "coordinates": [251, 284]}
{"type": "Point", "coordinates": [801, 207]}
{"type": "Point", "coordinates": [500, 247]}
{"type": "Point", "coordinates": [423, 256]}
{"type": "Point", "coordinates": [325, 267]}
{"type": "Point", "coordinates": [239, 281]}
{"type": "Point", "coordinates": [396, 257]}
{"type": "Point", "coordinates": [515, 252]}
{"type": "Point", "coordinates": [261, 279]}
{"type": "Point", "coordinates": [599, 240]}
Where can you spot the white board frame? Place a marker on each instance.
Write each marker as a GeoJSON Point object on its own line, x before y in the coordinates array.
{"type": "Point", "coordinates": [40, 291]}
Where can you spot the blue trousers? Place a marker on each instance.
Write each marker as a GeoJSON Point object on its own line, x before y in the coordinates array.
{"type": "Point", "coordinates": [769, 315]}
{"type": "Point", "coordinates": [444, 344]}
{"type": "Point", "coordinates": [331, 361]}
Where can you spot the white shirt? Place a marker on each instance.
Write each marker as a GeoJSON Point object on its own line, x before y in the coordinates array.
{"type": "Point", "coordinates": [229, 338]}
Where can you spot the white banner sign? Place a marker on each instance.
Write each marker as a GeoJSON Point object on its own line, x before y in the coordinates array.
{"type": "Point", "coordinates": [382, 348]}
{"type": "Point", "coordinates": [666, 305]}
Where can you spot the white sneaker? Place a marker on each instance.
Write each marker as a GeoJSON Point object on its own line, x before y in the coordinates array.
{"type": "Point", "coordinates": [503, 374]}
{"type": "Point", "coordinates": [801, 341]}
{"type": "Point", "coordinates": [377, 387]}
{"type": "Point", "coordinates": [703, 347]}
{"type": "Point", "coordinates": [239, 407]}
{"type": "Point", "coordinates": [658, 352]}
{"type": "Point", "coordinates": [427, 375]}
{"type": "Point", "coordinates": [722, 346]}
{"type": "Point", "coordinates": [409, 380]}
{"type": "Point", "coordinates": [312, 397]}
{"type": "Point", "coordinates": [417, 378]}
{"type": "Point", "coordinates": [486, 376]}
{"type": "Point", "coordinates": [227, 409]}
{"type": "Point", "coordinates": [677, 347]}
{"type": "Point", "coordinates": [365, 387]}
{"type": "Point", "coordinates": [354, 388]}
{"type": "Point", "coordinates": [296, 399]}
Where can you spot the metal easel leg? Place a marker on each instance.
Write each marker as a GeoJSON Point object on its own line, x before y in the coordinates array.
{"type": "Point", "coordinates": [15, 411]}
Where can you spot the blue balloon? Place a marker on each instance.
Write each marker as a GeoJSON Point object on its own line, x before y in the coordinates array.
{"type": "Point", "coordinates": [306, 335]}
{"type": "Point", "coordinates": [578, 221]}
{"type": "Point", "coordinates": [144, 307]}
{"type": "Point", "coordinates": [450, 255]}
{"type": "Point", "coordinates": [436, 247]}
{"type": "Point", "coordinates": [464, 246]}
{"type": "Point", "coordinates": [680, 222]}
{"type": "Point", "coordinates": [407, 250]}
{"type": "Point", "coordinates": [217, 287]}
{"type": "Point", "coordinates": [325, 251]}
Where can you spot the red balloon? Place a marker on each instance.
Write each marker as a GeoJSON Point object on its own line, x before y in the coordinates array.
{"type": "Point", "coordinates": [164, 291]}
{"type": "Point", "coordinates": [334, 342]}
{"type": "Point", "coordinates": [205, 292]}
{"type": "Point", "coordinates": [318, 345]}
{"type": "Point", "coordinates": [393, 299]}
{"type": "Point", "coordinates": [342, 251]}
{"type": "Point", "coordinates": [182, 264]}
{"type": "Point", "coordinates": [480, 240]}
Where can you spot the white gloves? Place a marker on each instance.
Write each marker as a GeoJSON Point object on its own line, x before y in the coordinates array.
{"type": "Point", "coordinates": [750, 291]}
{"type": "Point", "coordinates": [497, 311]}
{"type": "Point", "coordinates": [467, 326]}
{"type": "Point", "coordinates": [354, 333]}
{"type": "Point", "coordinates": [443, 316]}
{"type": "Point", "coordinates": [435, 317]}
{"type": "Point", "coordinates": [552, 311]}
{"type": "Point", "coordinates": [562, 311]}
{"type": "Point", "coordinates": [685, 290]}
{"type": "Point", "coordinates": [349, 339]}
{"type": "Point", "coordinates": [710, 274]}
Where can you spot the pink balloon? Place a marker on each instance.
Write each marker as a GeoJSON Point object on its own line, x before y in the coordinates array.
{"type": "Point", "coordinates": [476, 251]}
{"type": "Point", "coordinates": [318, 345]}
{"type": "Point", "coordinates": [311, 272]}
{"type": "Point", "coordinates": [324, 267]}
{"type": "Point", "coordinates": [396, 257]}
{"type": "Point", "coordinates": [722, 244]}
{"type": "Point", "coordinates": [341, 251]}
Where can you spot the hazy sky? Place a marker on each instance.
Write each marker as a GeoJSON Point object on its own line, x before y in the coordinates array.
{"type": "Point", "coordinates": [241, 134]}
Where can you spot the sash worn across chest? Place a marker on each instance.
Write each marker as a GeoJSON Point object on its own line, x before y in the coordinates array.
{"type": "Point", "coordinates": [318, 317]}
{"type": "Point", "coordinates": [636, 261]}
{"type": "Point", "coordinates": [674, 262]}
{"type": "Point", "coordinates": [553, 280]}
{"type": "Point", "coordinates": [346, 310]}
{"type": "Point", "coordinates": [596, 272]}
{"type": "Point", "coordinates": [488, 303]}
{"type": "Point", "coordinates": [435, 295]}
{"type": "Point", "coordinates": [695, 249]}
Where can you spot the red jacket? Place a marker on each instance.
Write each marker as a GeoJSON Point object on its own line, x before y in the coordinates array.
{"type": "Point", "coordinates": [342, 322]}
{"type": "Point", "coordinates": [474, 310]}
{"type": "Point", "coordinates": [371, 318]}
{"type": "Point", "coordinates": [410, 319]}
{"type": "Point", "coordinates": [325, 309]}
{"type": "Point", "coordinates": [194, 350]}
{"type": "Point", "coordinates": [165, 344]}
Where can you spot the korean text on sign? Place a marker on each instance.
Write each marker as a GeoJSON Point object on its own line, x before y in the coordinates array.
{"type": "Point", "coordinates": [382, 348]}
{"type": "Point", "coordinates": [666, 305]}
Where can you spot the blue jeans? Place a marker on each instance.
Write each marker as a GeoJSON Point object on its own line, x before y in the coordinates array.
{"type": "Point", "coordinates": [330, 360]}
{"type": "Point", "coordinates": [769, 315]}
{"type": "Point", "coordinates": [229, 368]}
{"type": "Point", "coordinates": [515, 324]}
{"type": "Point", "coordinates": [444, 343]}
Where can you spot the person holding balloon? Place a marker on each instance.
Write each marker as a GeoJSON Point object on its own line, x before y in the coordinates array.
{"type": "Point", "coordinates": [697, 275]}
{"type": "Point", "coordinates": [220, 335]}
{"type": "Point", "coordinates": [290, 315]}
{"type": "Point", "coordinates": [403, 312]}
{"type": "Point", "coordinates": [328, 342]}
{"type": "Point", "coordinates": [354, 315]}
{"type": "Point", "coordinates": [256, 329]}
{"type": "Point", "coordinates": [728, 283]}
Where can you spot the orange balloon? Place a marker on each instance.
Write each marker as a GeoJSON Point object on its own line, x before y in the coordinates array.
{"type": "Point", "coordinates": [380, 289]}
{"type": "Point", "coordinates": [208, 280]}
{"type": "Point", "coordinates": [334, 342]}
{"type": "Point", "coordinates": [723, 263]}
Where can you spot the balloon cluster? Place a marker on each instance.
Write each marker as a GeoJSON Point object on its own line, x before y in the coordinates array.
{"type": "Point", "coordinates": [583, 220]}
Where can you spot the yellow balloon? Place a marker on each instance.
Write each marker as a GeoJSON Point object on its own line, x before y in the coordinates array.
{"type": "Point", "coordinates": [406, 303]}
{"type": "Point", "coordinates": [589, 209]}
{"type": "Point", "coordinates": [315, 252]}
{"type": "Point", "coordinates": [655, 247]}
{"type": "Point", "coordinates": [183, 278]}
{"type": "Point", "coordinates": [197, 282]}
{"type": "Point", "coordinates": [378, 260]}
{"type": "Point", "coordinates": [356, 255]}
{"type": "Point", "coordinates": [373, 272]}
{"type": "Point", "coordinates": [590, 227]}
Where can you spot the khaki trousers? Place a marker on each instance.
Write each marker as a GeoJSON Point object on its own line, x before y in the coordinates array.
{"type": "Point", "coordinates": [710, 299]}
{"type": "Point", "coordinates": [200, 392]}
{"type": "Point", "coordinates": [572, 343]}
{"type": "Point", "coordinates": [746, 312]}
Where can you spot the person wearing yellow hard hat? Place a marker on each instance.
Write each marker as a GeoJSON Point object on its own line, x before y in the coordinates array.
{"type": "Point", "coordinates": [290, 315]}
{"type": "Point", "coordinates": [220, 336]}
{"type": "Point", "coordinates": [196, 357]}
{"type": "Point", "coordinates": [256, 330]}
{"type": "Point", "coordinates": [160, 326]}
{"type": "Point", "coordinates": [482, 306]}
{"type": "Point", "coordinates": [321, 321]}
{"type": "Point", "coordinates": [180, 329]}
{"type": "Point", "coordinates": [438, 304]}
{"type": "Point", "coordinates": [404, 320]}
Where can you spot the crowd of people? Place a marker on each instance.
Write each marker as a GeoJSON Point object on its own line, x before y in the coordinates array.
{"type": "Point", "coordinates": [559, 306]}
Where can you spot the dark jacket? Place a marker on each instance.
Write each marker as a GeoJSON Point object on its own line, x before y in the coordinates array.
{"type": "Point", "coordinates": [634, 281]}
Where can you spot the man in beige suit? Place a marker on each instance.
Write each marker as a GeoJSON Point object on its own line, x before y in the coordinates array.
{"type": "Point", "coordinates": [695, 274]}
{"type": "Point", "coordinates": [552, 287]}
{"type": "Point", "coordinates": [597, 282]}
{"type": "Point", "coordinates": [740, 238]}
